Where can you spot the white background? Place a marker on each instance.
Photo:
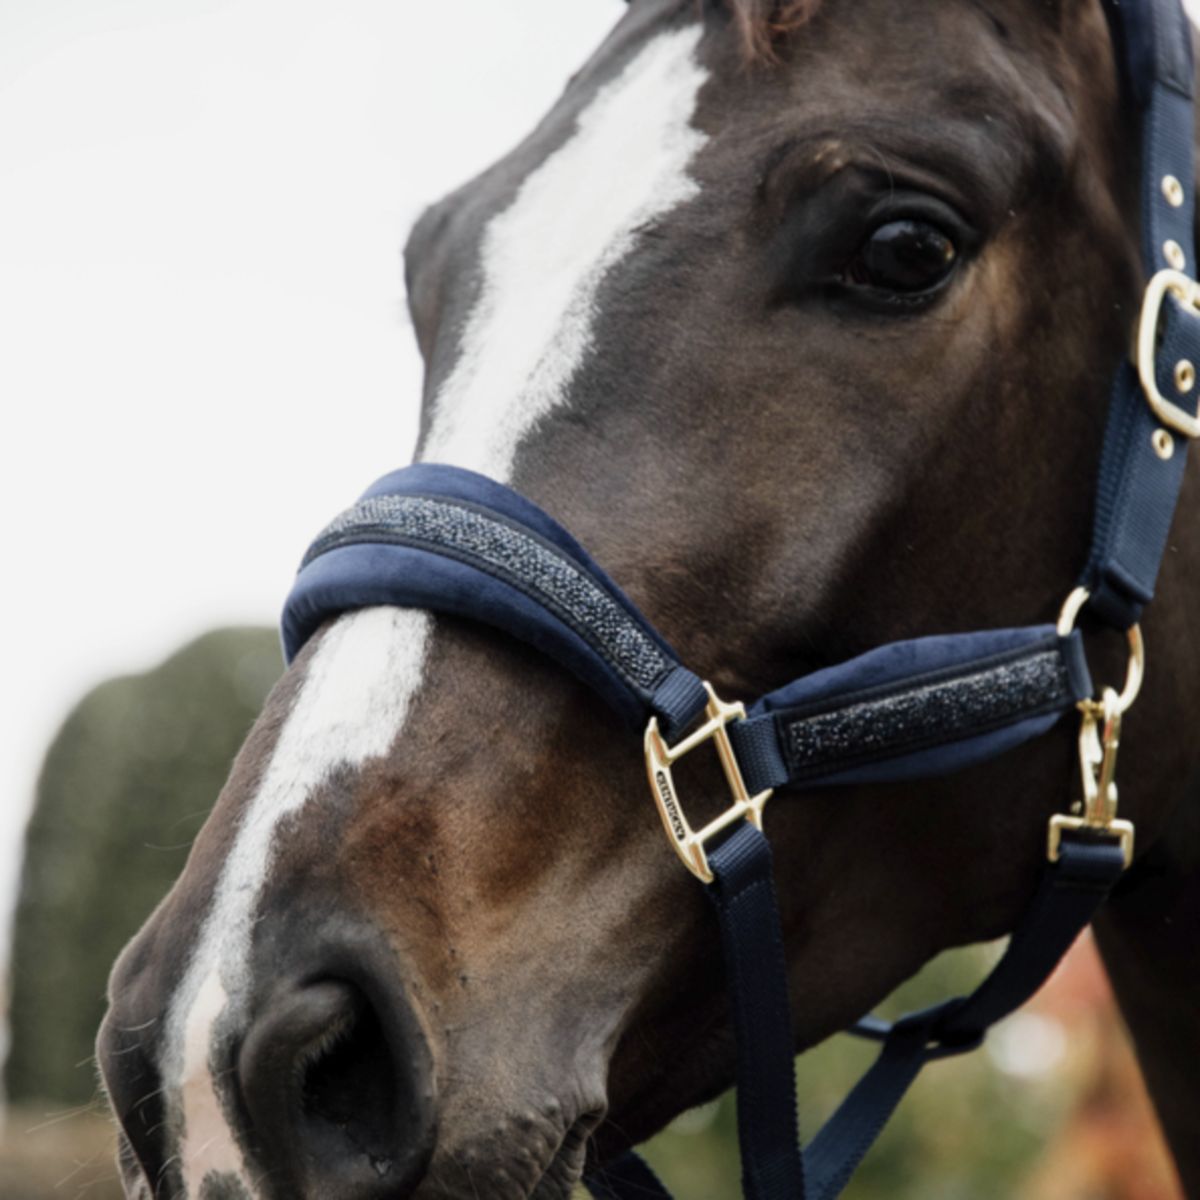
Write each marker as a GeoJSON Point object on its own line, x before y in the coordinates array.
{"type": "Point", "coordinates": [204, 352]}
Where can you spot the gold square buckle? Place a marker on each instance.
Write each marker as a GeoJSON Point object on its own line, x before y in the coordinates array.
{"type": "Point", "coordinates": [1187, 292]}
{"type": "Point", "coordinates": [689, 843]}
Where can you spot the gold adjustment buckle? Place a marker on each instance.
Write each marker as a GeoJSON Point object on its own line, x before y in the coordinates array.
{"type": "Point", "coordinates": [689, 843]}
{"type": "Point", "coordinates": [1186, 291]}
{"type": "Point", "coordinates": [1099, 740]}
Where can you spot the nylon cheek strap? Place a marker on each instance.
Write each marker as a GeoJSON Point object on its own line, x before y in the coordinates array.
{"type": "Point", "coordinates": [1145, 449]}
{"type": "Point", "coordinates": [1068, 896]}
{"type": "Point", "coordinates": [743, 896]}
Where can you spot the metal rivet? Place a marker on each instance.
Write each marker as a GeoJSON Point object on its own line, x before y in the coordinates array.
{"type": "Point", "coordinates": [1164, 444]}
{"type": "Point", "coordinates": [1173, 253]}
{"type": "Point", "coordinates": [1185, 376]}
{"type": "Point", "coordinates": [1173, 190]}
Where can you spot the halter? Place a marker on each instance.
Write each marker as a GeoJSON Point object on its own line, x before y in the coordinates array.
{"type": "Point", "coordinates": [445, 539]}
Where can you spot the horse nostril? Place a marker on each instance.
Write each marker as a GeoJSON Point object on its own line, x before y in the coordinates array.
{"type": "Point", "coordinates": [135, 1093]}
{"type": "Point", "coordinates": [338, 1094]}
{"type": "Point", "coordinates": [348, 1084]}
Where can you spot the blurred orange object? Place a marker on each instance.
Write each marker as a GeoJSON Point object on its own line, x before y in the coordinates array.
{"type": "Point", "coordinates": [1110, 1145]}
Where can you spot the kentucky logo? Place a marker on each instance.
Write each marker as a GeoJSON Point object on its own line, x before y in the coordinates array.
{"type": "Point", "coordinates": [667, 794]}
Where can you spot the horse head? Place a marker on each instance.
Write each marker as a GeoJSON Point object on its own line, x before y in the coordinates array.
{"type": "Point", "coordinates": [806, 334]}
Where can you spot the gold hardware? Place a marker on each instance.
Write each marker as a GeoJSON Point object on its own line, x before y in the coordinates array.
{"type": "Point", "coordinates": [1185, 375]}
{"type": "Point", "coordinates": [1173, 190]}
{"type": "Point", "coordinates": [688, 843]}
{"type": "Point", "coordinates": [1173, 253]}
{"type": "Point", "coordinates": [1164, 444]}
{"type": "Point", "coordinates": [1099, 740]}
{"type": "Point", "coordinates": [1070, 610]}
{"type": "Point", "coordinates": [1187, 292]}
{"type": "Point", "coordinates": [1136, 667]}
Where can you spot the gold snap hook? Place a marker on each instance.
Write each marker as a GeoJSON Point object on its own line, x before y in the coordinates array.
{"type": "Point", "coordinates": [1099, 741]}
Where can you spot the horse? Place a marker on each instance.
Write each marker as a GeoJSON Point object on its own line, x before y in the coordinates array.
{"type": "Point", "coordinates": [801, 317]}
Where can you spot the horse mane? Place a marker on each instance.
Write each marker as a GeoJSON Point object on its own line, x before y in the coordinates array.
{"type": "Point", "coordinates": [764, 23]}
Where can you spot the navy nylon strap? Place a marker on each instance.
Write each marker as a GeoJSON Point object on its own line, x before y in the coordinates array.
{"type": "Point", "coordinates": [1068, 895]}
{"type": "Point", "coordinates": [743, 897]}
{"type": "Point", "coordinates": [743, 894]}
{"type": "Point", "coordinates": [1154, 40]}
{"type": "Point", "coordinates": [1138, 488]}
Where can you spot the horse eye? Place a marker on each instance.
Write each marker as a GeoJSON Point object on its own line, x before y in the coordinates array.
{"type": "Point", "coordinates": [907, 257]}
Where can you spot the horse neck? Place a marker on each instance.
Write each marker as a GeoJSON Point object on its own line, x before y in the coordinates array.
{"type": "Point", "coordinates": [1146, 931]}
{"type": "Point", "coordinates": [1147, 936]}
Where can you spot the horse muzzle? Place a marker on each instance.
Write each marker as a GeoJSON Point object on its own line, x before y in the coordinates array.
{"type": "Point", "coordinates": [323, 1079]}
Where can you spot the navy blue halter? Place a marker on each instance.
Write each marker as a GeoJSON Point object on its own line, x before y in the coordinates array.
{"type": "Point", "coordinates": [449, 540]}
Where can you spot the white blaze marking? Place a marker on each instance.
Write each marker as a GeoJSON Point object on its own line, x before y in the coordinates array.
{"type": "Point", "coordinates": [207, 1147]}
{"type": "Point", "coordinates": [353, 702]}
{"type": "Point", "coordinates": [543, 260]}
{"type": "Point", "coordinates": [544, 257]}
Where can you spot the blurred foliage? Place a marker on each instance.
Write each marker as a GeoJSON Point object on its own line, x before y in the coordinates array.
{"type": "Point", "coordinates": [125, 786]}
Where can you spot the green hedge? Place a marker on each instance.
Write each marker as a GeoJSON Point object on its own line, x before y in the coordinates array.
{"type": "Point", "coordinates": [125, 786]}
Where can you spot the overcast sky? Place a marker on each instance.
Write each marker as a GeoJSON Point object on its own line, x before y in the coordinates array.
{"type": "Point", "coordinates": [203, 347]}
